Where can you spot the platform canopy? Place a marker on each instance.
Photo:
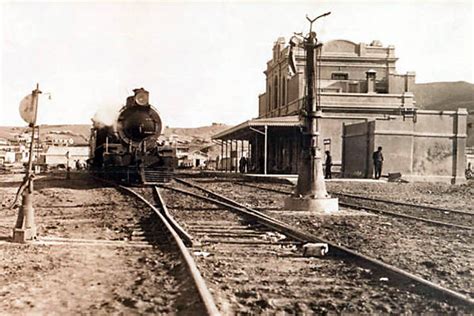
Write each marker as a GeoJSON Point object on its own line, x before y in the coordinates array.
{"type": "Point", "coordinates": [246, 130]}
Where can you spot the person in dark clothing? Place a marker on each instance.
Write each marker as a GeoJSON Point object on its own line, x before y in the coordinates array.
{"type": "Point", "coordinates": [242, 164]}
{"type": "Point", "coordinates": [328, 165]}
{"type": "Point", "coordinates": [378, 162]}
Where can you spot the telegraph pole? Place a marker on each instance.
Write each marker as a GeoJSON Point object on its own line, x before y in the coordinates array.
{"type": "Point", "coordinates": [25, 228]}
{"type": "Point", "coordinates": [310, 193]}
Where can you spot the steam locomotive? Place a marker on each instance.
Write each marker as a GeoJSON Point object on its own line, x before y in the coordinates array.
{"type": "Point", "coordinates": [129, 150]}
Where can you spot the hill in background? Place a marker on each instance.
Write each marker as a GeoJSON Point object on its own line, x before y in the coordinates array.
{"type": "Point", "coordinates": [448, 96]}
{"type": "Point", "coordinates": [444, 96]}
{"type": "Point", "coordinates": [197, 138]}
{"type": "Point", "coordinates": [79, 133]}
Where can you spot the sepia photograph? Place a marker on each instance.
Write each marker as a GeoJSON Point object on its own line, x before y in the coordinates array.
{"type": "Point", "coordinates": [237, 157]}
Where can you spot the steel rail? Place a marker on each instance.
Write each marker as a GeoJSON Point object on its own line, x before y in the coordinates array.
{"type": "Point", "coordinates": [440, 209]}
{"type": "Point", "coordinates": [229, 201]}
{"type": "Point", "coordinates": [232, 206]}
{"type": "Point", "coordinates": [188, 240]}
{"type": "Point", "coordinates": [371, 209]}
{"type": "Point", "coordinates": [421, 219]}
{"type": "Point", "coordinates": [267, 189]}
{"type": "Point", "coordinates": [190, 264]}
{"type": "Point", "coordinates": [424, 287]}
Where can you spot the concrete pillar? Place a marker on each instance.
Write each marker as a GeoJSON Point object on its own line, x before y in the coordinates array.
{"type": "Point", "coordinates": [226, 156]}
{"type": "Point", "coordinates": [222, 154]}
{"type": "Point", "coordinates": [370, 147]}
{"type": "Point", "coordinates": [249, 155]}
{"type": "Point", "coordinates": [265, 153]}
{"type": "Point", "coordinates": [231, 160]}
{"type": "Point", "coordinates": [459, 146]}
{"type": "Point", "coordinates": [343, 151]}
{"type": "Point", "coordinates": [236, 169]}
{"type": "Point", "coordinates": [232, 164]}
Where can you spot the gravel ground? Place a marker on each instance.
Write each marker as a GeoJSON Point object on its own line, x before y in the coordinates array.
{"type": "Point", "coordinates": [255, 279]}
{"type": "Point", "coordinates": [117, 272]}
{"type": "Point", "coordinates": [457, 197]}
{"type": "Point", "coordinates": [439, 254]}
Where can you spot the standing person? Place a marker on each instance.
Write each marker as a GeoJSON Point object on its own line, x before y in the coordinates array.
{"type": "Point", "coordinates": [378, 162]}
{"type": "Point", "coordinates": [242, 164]}
{"type": "Point", "coordinates": [328, 165]}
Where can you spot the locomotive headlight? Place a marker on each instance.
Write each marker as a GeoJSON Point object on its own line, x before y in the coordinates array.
{"type": "Point", "coordinates": [141, 98]}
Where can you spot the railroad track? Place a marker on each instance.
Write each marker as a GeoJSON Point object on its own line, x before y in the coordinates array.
{"type": "Point", "coordinates": [437, 253]}
{"type": "Point", "coordinates": [437, 216]}
{"type": "Point", "coordinates": [235, 249]}
{"type": "Point", "coordinates": [195, 297]}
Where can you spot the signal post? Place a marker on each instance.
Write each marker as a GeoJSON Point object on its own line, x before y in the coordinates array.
{"type": "Point", "coordinates": [310, 193]}
{"type": "Point", "coordinates": [25, 228]}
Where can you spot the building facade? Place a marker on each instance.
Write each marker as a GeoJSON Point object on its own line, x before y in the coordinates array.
{"type": "Point", "coordinates": [356, 83]}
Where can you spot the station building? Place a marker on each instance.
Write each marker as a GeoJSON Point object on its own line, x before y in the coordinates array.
{"type": "Point", "coordinates": [365, 104]}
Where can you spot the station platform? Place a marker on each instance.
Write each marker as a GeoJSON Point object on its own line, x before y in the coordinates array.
{"type": "Point", "coordinates": [288, 178]}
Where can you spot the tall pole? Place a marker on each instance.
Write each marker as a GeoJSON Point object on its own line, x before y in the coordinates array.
{"type": "Point", "coordinates": [310, 180]}
{"type": "Point", "coordinates": [310, 192]}
{"type": "Point", "coordinates": [25, 228]}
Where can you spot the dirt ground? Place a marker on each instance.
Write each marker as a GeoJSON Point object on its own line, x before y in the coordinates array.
{"type": "Point", "coordinates": [89, 257]}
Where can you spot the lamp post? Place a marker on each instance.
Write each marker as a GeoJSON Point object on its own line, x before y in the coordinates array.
{"type": "Point", "coordinates": [310, 193]}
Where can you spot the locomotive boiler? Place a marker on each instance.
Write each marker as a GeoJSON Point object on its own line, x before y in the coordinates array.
{"type": "Point", "coordinates": [129, 149]}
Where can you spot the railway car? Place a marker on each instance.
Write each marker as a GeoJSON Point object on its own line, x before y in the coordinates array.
{"type": "Point", "coordinates": [129, 149]}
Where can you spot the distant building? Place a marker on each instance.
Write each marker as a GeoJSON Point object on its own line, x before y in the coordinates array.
{"type": "Point", "coordinates": [58, 140]}
{"type": "Point", "coordinates": [7, 152]}
{"type": "Point", "coordinates": [365, 104]}
{"type": "Point", "coordinates": [198, 159]}
{"type": "Point", "coordinates": [7, 157]}
{"type": "Point", "coordinates": [58, 155]}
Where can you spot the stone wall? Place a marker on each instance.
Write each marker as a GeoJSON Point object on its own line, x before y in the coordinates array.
{"type": "Point", "coordinates": [428, 147]}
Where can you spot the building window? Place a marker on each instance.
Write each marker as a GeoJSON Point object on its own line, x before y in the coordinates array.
{"type": "Point", "coordinates": [275, 92]}
{"type": "Point", "coordinates": [269, 98]}
{"type": "Point", "coordinates": [283, 92]}
{"type": "Point", "coordinates": [339, 76]}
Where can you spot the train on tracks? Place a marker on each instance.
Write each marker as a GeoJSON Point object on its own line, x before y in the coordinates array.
{"type": "Point", "coordinates": [129, 150]}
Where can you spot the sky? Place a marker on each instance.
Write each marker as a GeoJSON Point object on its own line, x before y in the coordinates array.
{"type": "Point", "coordinates": [202, 62]}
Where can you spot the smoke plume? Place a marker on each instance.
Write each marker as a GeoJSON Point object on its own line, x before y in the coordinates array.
{"type": "Point", "coordinates": [106, 116]}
